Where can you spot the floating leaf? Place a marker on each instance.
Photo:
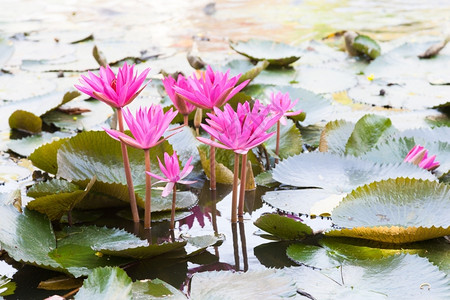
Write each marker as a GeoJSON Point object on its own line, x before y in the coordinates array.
{"type": "Point", "coordinates": [6, 50]}
{"type": "Point", "coordinates": [7, 287]}
{"type": "Point", "coordinates": [395, 211]}
{"type": "Point", "coordinates": [290, 140]}
{"type": "Point", "coordinates": [265, 284]}
{"type": "Point", "coordinates": [366, 45]}
{"type": "Point", "coordinates": [155, 289]}
{"type": "Point", "coordinates": [198, 244]}
{"type": "Point", "coordinates": [337, 173]}
{"type": "Point", "coordinates": [366, 133]}
{"type": "Point", "coordinates": [311, 256]}
{"type": "Point", "coordinates": [332, 176]}
{"type": "Point", "coordinates": [106, 283]}
{"type": "Point", "coordinates": [141, 252]}
{"type": "Point", "coordinates": [273, 254]}
{"type": "Point", "coordinates": [335, 136]}
{"type": "Point", "coordinates": [44, 157]}
{"type": "Point", "coordinates": [56, 198]}
{"type": "Point", "coordinates": [25, 121]}
{"type": "Point", "coordinates": [283, 227]}
{"type": "Point", "coordinates": [277, 54]}
{"type": "Point", "coordinates": [13, 86]}
{"type": "Point", "coordinates": [245, 68]}
{"type": "Point", "coordinates": [27, 145]}
{"type": "Point", "coordinates": [60, 283]}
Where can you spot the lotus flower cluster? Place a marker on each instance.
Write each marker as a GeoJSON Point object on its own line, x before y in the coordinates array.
{"type": "Point", "coordinates": [116, 91]}
{"type": "Point", "coordinates": [282, 103]}
{"type": "Point", "coordinates": [418, 155]}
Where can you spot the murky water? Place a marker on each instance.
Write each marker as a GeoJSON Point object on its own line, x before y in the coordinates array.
{"type": "Point", "coordinates": [170, 28]}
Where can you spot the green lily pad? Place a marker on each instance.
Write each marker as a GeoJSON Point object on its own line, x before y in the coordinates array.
{"type": "Point", "coordinates": [13, 86]}
{"type": "Point", "coordinates": [22, 243]}
{"type": "Point", "coordinates": [367, 132]}
{"type": "Point", "coordinates": [155, 289]}
{"type": "Point", "coordinates": [283, 227]}
{"type": "Point", "coordinates": [265, 179]}
{"type": "Point", "coordinates": [45, 157]}
{"type": "Point", "coordinates": [273, 254]}
{"type": "Point", "coordinates": [395, 211]}
{"type": "Point", "coordinates": [264, 284]}
{"type": "Point", "coordinates": [141, 252]}
{"type": "Point", "coordinates": [290, 140]}
{"type": "Point", "coordinates": [366, 45]}
{"type": "Point", "coordinates": [335, 136]}
{"type": "Point", "coordinates": [197, 244]}
{"type": "Point", "coordinates": [106, 283]}
{"type": "Point", "coordinates": [277, 54]}
{"type": "Point", "coordinates": [311, 256]}
{"type": "Point", "coordinates": [273, 76]}
{"type": "Point", "coordinates": [25, 121]}
{"type": "Point", "coordinates": [27, 145]}
{"type": "Point", "coordinates": [56, 197]}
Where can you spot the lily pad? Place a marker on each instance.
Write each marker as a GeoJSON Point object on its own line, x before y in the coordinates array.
{"type": "Point", "coordinates": [277, 54]}
{"type": "Point", "coordinates": [141, 252]}
{"type": "Point", "coordinates": [283, 227]}
{"type": "Point", "coordinates": [106, 283]}
{"type": "Point", "coordinates": [155, 289]}
{"type": "Point", "coordinates": [265, 284]}
{"type": "Point", "coordinates": [328, 177]}
{"type": "Point", "coordinates": [366, 133]}
{"type": "Point", "coordinates": [335, 136]}
{"type": "Point", "coordinates": [25, 121]}
{"type": "Point", "coordinates": [395, 211]}
{"type": "Point", "coordinates": [13, 86]}
{"type": "Point", "coordinates": [7, 287]}
{"type": "Point", "coordinates": [56, 197]}
{"type": "Point", "coordinates": [28, 145]}
{"type": "Point", "coordinates": [245, 68]}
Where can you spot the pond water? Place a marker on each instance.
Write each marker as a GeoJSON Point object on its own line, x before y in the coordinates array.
{"type": "Point", "coordinates": [165, 31]}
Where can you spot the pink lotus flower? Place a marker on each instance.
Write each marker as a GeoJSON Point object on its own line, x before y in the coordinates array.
{"type": "Point", "coordinates": [418, 155]}
{"type": "Point", "coordinates": [281, 103]}
{"type": "Point", "coordinates": [183, 106]}
{"type": "Point", "coordinates": [116, 91]}
{"type": "Point", "coordinates": [213, 89]}
{"type": "Point", "coordinates": [242, 130]}
{"type": "Point", "coordinates": [172, 173]}
{"type": "Point", "coordinates": [147, 127]}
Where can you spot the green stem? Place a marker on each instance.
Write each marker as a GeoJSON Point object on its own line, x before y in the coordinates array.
{"type": "Point", "coordinates": [277, 147]}
{"type": "Point", "coordinates": [235, 184]}
{"type": "Point", "coordinates": [242, 188]}
{"type": "Point", "coordinates": [172, 215]}
{"type": "Point", "coordinates": [126, 166]}
{"type": "Point", "coordinates": [148, 192]}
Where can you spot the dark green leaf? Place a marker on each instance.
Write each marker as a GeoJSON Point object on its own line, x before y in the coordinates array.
{"type": "Point", "coordinates": [283, 227]}
{"type": "Point", "coordinates": [25, 121]}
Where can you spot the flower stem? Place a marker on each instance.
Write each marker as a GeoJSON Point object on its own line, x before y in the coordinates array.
{"type": "Point", "coordinates": [242, 189]}
{"type": "Point", "coordinates": [126, 166]}
{"type": "Point", "coordinates": [186, 120]}
{"type": "Point", "coordinates": [277, 147]}
{"type": "Point", "coordinates": [148, 192]}
{"type": "Point", "coordinates": [172, 215]}
{"type": "Point", "coordinates": [212, 163]}
{"type": "Point", "coordinates": [234, 195]}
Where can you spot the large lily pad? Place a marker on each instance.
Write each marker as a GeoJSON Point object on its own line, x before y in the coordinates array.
{"type": "Point", "coordinates": [155, 289]}
{"type": "Point", "coordinates": [245, 68]}
{"type": "Point", "coordinates": [396, 211]}
{"type": "Point", "coordinates": [277, 54]}
{"type": "Point", "coordinates": [328, 177]}
{"type": "Point", "coordinates": [27, 145]}
{"type": "Point", "coordinates": [325, 80]}
{"type": "Point", "coordinates": [265, 284]}
{"type": "Point", "coordinates": [106, 283]}
{"type": "Point", "coordinates": [335, 136]}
